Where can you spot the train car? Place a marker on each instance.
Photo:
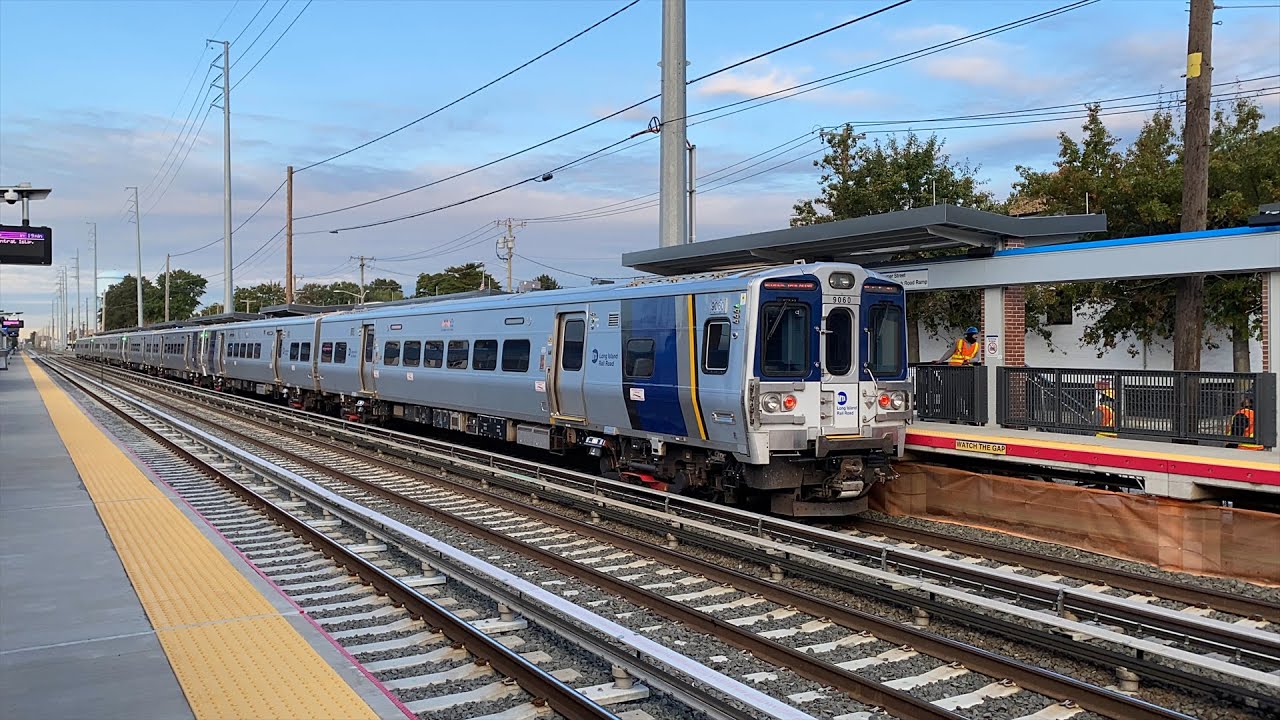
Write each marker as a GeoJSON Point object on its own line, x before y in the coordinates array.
{"type": "Point", "coordinates": [787, 384]}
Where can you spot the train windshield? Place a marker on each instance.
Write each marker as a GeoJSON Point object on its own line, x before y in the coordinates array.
{"type": "Point", "coordinates": [885, 356]}
{"type": "Point", "coordinates": [785, 338]}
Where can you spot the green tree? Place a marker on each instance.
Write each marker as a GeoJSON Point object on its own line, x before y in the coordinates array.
{"type": "Point", "coordinates": [383, 290]}
{"type": "Point", "coordinates": [210, 309]}
{"type": "Point", "coordinates": [253, 299]}
{"type": "Point", "coordinates": [120, 303]}
{"type": "Point", "coordinates": [185, 289]}
{"type": "Point", "coordinates": [546, 282]}
{"type": "Point", "coordinates": [468, 277]}
{"type": "Point", "coordinates": [859, 179]}
{"type": "Point", "coordinates": [1140, 189]}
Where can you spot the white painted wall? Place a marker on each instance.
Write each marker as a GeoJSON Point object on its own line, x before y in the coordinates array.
{"type": "Point", "coordinates": [1068, 351]}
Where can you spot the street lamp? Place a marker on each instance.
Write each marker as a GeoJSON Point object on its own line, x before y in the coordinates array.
{"type": "Point", "coordinates": [359, 298]}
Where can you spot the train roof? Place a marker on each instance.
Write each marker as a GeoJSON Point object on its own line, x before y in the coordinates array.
{"type": "Point", "coordinates": [648, 286]}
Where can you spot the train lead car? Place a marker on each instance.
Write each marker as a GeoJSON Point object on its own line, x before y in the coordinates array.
{"type": "Point", "coordinates": [784, 386]}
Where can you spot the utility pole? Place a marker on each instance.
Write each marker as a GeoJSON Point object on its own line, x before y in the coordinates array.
{"type": "Point", "coordinates": [228, 291]}
{"type": "Point", "coordinates": [75, 314]}
{"type": "Point", "coordinates": [362, 260]}
{"type": "Point", "coordinates": [93, 241]}
{"type": "Point", "coordinates": [673, 213]}
{"type": "Point", "coordinates": [693, 189]}
{"type": "Point", "coordinates": [137, 224]}
{"type": "Point", "coordinates": [507, 247]}
{"type": "Point", "coordinates": [288, 236]}
{"type": "Point", "coordinates": [166, 287]}
{"type": "Point", "coordinates": [1189, 303]}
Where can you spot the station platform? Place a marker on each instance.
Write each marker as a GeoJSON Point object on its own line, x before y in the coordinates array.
{"type": "Point", "coordinates": [118, 601]}
{"type": "Point", "coordinates": [1185, 472]}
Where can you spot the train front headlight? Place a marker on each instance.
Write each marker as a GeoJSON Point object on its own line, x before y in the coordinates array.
{"type": "Point", "coordinates": [897, 400]}
{"type": "Point", "coordinates": [771, 402]}
{"type": "Point", "coordinates": [840, 281]}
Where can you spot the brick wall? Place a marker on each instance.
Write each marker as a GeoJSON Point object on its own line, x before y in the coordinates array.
{"type": "Point", "coordinates": [1015, 318]}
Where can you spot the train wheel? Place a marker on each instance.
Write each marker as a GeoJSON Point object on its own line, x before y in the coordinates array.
{"type": "Point", "coordinates": [679, 483]}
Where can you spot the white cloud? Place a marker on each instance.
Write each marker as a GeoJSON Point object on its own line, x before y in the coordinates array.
{"type": "Point", "coordinates": [749, 83]}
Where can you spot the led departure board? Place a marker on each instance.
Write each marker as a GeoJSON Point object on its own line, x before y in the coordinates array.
{"type": "Point", "coordinates": [26, 245]}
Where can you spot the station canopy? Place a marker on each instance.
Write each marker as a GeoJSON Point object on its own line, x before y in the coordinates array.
{"type": "Point", "coordinates": [867, 240]}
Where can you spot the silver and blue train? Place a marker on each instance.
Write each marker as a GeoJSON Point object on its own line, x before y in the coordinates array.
{"type": "Point", "coordinates": [784, 386]}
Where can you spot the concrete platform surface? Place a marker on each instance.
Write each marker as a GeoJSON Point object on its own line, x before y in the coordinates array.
{"type": "Point", "coordinates": [75, 640]}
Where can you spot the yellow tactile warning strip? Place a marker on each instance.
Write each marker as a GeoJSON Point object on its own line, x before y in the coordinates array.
{"type": "Point", "coordinates": [234, 655]}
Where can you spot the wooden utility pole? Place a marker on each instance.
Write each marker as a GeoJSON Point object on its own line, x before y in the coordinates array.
{"type": "Point", "coordinates": [288, 236]}
{"type": "Point", "coordinates": [507, 248]}
{"type": "Point", "coordinates": [1188, 321]}
{"type": "Point", "coordinates": [166, 287]}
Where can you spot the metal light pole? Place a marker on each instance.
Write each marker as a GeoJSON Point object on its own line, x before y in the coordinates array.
{"type": "Point", "coordinates": [137, 224]}
{"type": "Point", "coordinates": [673, 210]}
{"type": "Point", "coordinates": [93, 242]}
{"type": "Point", "coordinates": [228, 291]}
{"type": "Point", "coordinates": [75, 314]}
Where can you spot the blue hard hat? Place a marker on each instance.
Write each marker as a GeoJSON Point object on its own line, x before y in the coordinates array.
{"type": "Point", "coordinates": [971, 331]}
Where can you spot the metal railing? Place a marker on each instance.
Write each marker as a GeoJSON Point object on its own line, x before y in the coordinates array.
{"type": "Point", "coordinates": [1180, 406]}
{"type": "Point", "coordinates": [947, 393]}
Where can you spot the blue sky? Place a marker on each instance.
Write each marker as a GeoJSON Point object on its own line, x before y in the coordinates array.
{"type": "Point", "coordinates": [92, 99]}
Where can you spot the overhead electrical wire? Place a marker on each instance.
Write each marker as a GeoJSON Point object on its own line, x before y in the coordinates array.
{"type": "Point", "coordinates": [823, 82]}
{"type": "Point", "coordinates": [175, 148]}
{"type": "Point", "coordinates": [261, 7]}
{"type": "Point", "coordinates": [995, 30]}
{"type": "Point", "coordinates": [191, 143]}
{"type": "Point", "coordinates": [244, 222]}
{"type": "Point", "coordinates": [242, 53]}
{"type": "Point", "coordinates": [489, 84]}
{"type": "Point", "coordinates": [273, 45]}
{"type": "Point", "coordinates": [644, 202]}
{"type": "Point", "coordinates": [580, 128]}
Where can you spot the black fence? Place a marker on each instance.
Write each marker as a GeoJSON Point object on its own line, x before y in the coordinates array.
{"type": "Point", "coordinates": [1180, 406]}
{"type": "Point", "coordinates": [948, 393]}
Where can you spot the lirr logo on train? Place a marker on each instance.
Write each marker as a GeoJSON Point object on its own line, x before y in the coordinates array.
{"type": "Point", "coordinates": [606, 359]}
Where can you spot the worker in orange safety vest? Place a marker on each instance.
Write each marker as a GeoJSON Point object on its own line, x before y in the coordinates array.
{"type": "Point", "coordinates": [966, 349]}
{"type": "Point", "coordinates": [1106, 412]}
{"type": "Point", "coordinates": [1241, 424]}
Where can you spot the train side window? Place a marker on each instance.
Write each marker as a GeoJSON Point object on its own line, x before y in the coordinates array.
{"type": "Point", "coordinates": [280, 350]}
{"type": "Point", "coordinates": [486, 357]}
{"type": "Point", "coordinates": [293, 351]}
{"type": "Point", "coordinates": [515, 356]}
{"type": "Point", "coordinates": [637, 358]}
{"type": "Point", "coordinates": [839, 341]}
{"type": "Point", "coordinates": [575, 336]}
{"type": "Point", "coordinates": [257, 351]}
{"type": "Point", "coordinates": [391, 353]}
{"type": "Point", "coordinates": [326, 352]}
{"type": "Point", "coordinates": [433, 354]}
{"type": "Point", "coordinates": [412, 353]}
{"type": "Point", "coordinates": [715, 347]}
{"type": "Point", "coordinates": [340, 353]}
{"type": "Point", "coordinates": [458, 350]}
{"type": "Point", "coordinates": [304, 352]}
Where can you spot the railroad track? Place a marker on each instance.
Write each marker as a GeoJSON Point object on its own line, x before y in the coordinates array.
{"type": "Point", "coordinates": [444, 649]}
{"type": "Point", "coordinates": [728, 597]}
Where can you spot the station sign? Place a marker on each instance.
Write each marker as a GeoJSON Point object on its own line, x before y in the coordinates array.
{"type": "Point", "coordinates": [26, 245]}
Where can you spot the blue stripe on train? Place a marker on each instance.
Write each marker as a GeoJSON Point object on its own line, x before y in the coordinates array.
{"type": "Point", "coordinates": [660, 412]}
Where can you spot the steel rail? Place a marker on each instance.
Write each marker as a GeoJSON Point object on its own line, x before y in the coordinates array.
{"type": "Point", "coordinates": [1257, 608]}
{"type": "Point", "coordinates": [1031, 678]}
{"type": "Point", "coordinates": [756, 524]}
{"type": "Point", "coordinates": [857, 687]}
{"type": "Point", "coordinates": [537, 682]}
